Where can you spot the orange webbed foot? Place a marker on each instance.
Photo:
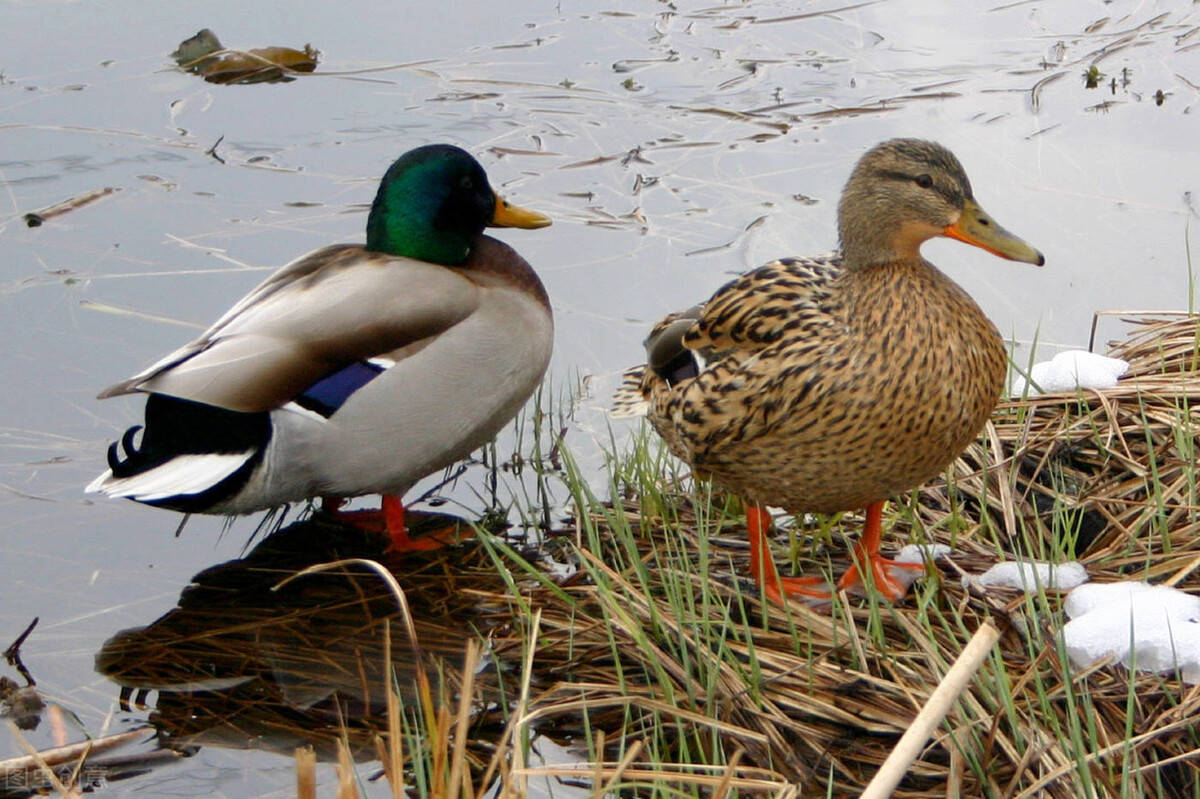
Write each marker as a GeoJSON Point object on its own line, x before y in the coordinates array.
{"type": "Point", "coordinates": [890, 578]}
{"type": "Point", "coordinates": [389, 519]}
{"type": "Point", "coordinates": [762, 567]}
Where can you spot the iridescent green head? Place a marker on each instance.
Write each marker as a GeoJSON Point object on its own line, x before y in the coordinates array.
{"type": "Point", "coordinates": [433, 202]}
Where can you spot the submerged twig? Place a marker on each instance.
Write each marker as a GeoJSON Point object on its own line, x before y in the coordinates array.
{"type": "Point", "coordinates": [213, 150]}
{"type": "Point", "coordinates": [36, 218]}
{"type": "Point", "coordinates": [13, 653]}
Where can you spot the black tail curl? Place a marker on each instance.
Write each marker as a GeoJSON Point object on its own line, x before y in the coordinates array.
{"type": "Point", "coordinates": [176, 427]}
{"type": "Point", "coordinates": [121, 467]}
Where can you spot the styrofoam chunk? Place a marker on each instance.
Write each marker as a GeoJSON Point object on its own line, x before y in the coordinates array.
{"type": "Point", "coordinates": [1028, 575]}
{"type": "Point", "coordinates": [1143, 627]}
{"type": "Point", "coordinates": [919, 553]}
{"type": "Point", "coordinates": [1070, 370]}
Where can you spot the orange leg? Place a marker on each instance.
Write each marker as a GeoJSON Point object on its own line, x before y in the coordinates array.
{"type": "Point", "coordinates": [389, 518]}
{"type": "Point", "coordinates": [866, 554]}
{"type": "Point", "coordinates": [762, 567]}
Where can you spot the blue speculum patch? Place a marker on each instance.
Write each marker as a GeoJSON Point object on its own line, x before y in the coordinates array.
{"type": "Point", "coordinates": [329, 393]}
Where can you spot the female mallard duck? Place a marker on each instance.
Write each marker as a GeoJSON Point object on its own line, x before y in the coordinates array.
{"type": "Point", "coordinates": [828, 384]}
{"type": "Point", "coordinates": [354, 369]}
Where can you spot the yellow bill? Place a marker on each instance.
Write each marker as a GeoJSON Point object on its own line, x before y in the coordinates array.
{"type": "Point", "coordinates": [507, 215]}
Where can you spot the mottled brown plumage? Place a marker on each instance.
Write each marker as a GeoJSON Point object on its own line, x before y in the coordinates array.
{"type": "Point", "coordinates": [828, 384]}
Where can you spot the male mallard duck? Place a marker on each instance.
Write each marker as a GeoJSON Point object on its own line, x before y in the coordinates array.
{"type": "Point", "coordinates": [354, 369]}
{"type": "Point", "coordinates": [828, 384]}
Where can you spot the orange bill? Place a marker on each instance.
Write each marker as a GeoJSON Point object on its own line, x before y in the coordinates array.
{"type": "Point", "coordinates": [976, 227]}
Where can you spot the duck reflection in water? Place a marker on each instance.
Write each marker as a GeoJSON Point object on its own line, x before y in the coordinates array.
{"type": "Point", "coordinates": [241, 664]}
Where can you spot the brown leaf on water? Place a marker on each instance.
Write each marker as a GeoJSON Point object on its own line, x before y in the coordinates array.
{"type": "Point", "coordinates": [204, 55]}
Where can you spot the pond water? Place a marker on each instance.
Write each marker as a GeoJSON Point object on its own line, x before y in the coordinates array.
{"type": "Point", "coordinates": [673, 144]}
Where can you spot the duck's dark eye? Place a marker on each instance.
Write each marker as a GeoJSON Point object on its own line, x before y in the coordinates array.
{"type": "Point", "coordinates": [924, 181]}
{"type": "Point", "coordinates": [466, 183]}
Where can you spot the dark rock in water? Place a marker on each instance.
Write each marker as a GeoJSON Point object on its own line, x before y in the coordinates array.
{"type": "Point", "coordinates": [200, 45]}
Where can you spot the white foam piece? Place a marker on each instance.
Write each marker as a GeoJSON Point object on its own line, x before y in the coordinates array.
{"type": "Point", "coordinates": [1086, 598]}
{"type": "Point", "coordinates": [1150, 628]}
{"type": "Point", "coordinates": [557, 570]}
{"type": "Point", "coordinates": [1070, 370]}
{"type": "Point", "coordinates": [1029, 575]}
{"type": "Point", "coordinates": [919, 553]}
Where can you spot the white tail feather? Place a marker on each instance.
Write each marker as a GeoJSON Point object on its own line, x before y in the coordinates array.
{"type": "Point", "coordinates": [185, 474]}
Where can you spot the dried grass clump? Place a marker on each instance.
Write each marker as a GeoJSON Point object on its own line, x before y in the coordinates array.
{"type": "Point", "coordinates": [1109, 475]}
{"type": "Point", "coordinates": [660, 665]}
{"type": "Point", "coordinates": [659, 643]}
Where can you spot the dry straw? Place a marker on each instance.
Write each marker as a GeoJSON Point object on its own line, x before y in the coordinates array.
{"type": "Point", "coordinates": [662, 668]}
{"type": "Point", "coordinates": [659, 642]}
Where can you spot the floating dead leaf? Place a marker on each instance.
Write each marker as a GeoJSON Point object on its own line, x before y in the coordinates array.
{"type": "Point", "coordinates": [707, 250]}
{"type": "Point", "coordinates": [204, 55]}
{"type": "Point", "coordinates": [446, 97]}
{"type": "Point", "coordinates": [502, 151]}
{"type": "Point", "coordinates": [1035, 92]}
{"type": "Point", "coordinates": [602, 159]}
{"type": "Point", "coordinates": [631, 64]}
{"type": "Point", "coordinates": [163, 182]}
{"type": "Point", "coordinates": [36, 218]}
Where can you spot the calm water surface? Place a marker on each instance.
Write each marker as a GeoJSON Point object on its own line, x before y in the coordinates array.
{"type": "Point", "coordinates": [674, 144]}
